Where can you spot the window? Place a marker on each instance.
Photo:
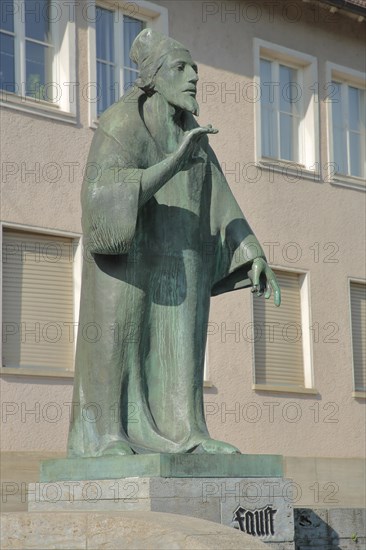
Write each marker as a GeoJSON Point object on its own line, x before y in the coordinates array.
{"type": "Point", "coordinates": [348, 129]}
{"type": "Point", "coordinates": [280, 111]}
{"type": "Point", "coordinates": [39, 302]}
{"type": "Point", "coordinates": [282, 353]}
{"type": "Point", "coordinates": [7, 38]}
{"type": "Point", "coordinates": [115, 71]}
{"type": "Point", "coordinates": [112, 30]}
{"type": "Point", "coordinates": [37, 46]}
{"type": "Point", "coordinates": [286, 115]}
{"type": "Point", "coordinates": [358, 318]}
{"type": "Point", "coordinates": [39, 51]}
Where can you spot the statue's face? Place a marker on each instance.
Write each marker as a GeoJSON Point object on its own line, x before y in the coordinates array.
{"type": "Point", "coordinates": [177, 80]}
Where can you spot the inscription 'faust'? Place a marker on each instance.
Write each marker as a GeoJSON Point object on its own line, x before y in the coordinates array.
{"type": "Point", "coordinates": [259, 523]}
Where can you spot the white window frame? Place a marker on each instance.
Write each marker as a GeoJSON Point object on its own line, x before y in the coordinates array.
{"type": "Point", "coordinates": [355, 393]}
{"type": "Point", "coordinates": [63, 69]}
{"type": "Point", "coordinates": [349, 77]}
{"type": "Point", "coordinates": [155, 17]}
{"type": "Point", "coordinates": [308, 139]}
{"type": "Point", "coordinates": [77, 270]}
{"type": "Point", "coordinates": [206, 378]}
{"type": "Point", "coordinates": [307, 343]}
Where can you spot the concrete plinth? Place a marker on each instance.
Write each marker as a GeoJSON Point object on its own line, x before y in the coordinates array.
{"type": "Point", "coordinates": [245, 492]}
{"type": "Point", "coordinates": [258, 506]}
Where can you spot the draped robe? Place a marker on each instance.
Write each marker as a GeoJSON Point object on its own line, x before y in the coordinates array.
{"type": "Point", "coordinates": [148, 274]}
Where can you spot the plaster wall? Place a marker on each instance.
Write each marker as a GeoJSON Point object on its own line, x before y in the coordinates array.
{"type": "Point", "coordinates": [328, 424]}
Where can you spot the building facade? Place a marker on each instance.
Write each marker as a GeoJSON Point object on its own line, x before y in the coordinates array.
{"type": "Point", "coordinates": [285, 85]}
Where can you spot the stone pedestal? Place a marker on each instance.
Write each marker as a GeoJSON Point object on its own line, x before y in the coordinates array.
{"type": "Point", "coordinates": [162, 465]}
{"type": "Point", "coordinates": [117, 531]}
{"type": "Point", "coordinates": [246, 492]}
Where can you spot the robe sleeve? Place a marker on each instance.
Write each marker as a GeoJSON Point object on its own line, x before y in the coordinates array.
{"type": "Point", "coordinates": [110, 196]}
{"type": "Point", "coordinates": [238, 246]}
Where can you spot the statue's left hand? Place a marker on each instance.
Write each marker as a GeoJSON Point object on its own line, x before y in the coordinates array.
{"type": "Point", "coordinates": [264, 279]}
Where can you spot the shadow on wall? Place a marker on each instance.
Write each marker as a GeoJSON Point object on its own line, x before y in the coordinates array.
{"type": "Point", "coordinates": [330, 529]}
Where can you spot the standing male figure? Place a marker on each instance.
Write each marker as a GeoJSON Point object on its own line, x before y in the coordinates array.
{"type": "Point", "coordinates": [165, 234]}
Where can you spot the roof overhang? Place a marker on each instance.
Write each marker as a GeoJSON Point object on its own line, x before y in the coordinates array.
{"type": "Point", "coordinates": [354, 8]}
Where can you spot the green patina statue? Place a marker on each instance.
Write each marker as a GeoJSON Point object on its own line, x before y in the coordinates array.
{"type": "Point", "coordinates": [164, 233]}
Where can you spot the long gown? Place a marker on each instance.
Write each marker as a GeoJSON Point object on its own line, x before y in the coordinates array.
{"type": "Point", "coordinates": [148, 275]}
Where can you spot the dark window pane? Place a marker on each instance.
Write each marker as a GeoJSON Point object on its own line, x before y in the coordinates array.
{"type": "Point", "coordinates": [7, 77]}
{"type": "Point", "coordinates": [339, 130]}
{"type": "Point", "coordinates": [268, 132]}
{"type": "Point", "coordinates": [129, 78]}
{"type": "Point", "coordinates": [285, 137]}
{"type": "Point", "coordinates": [7, 15]}
{"type": "Point", "coordinates": [339, 150]}
{"type": "Point", "coordinates": [265, 78]}
{"type": "Point", "coordinates": [355, 155]}
{"type": "Point", "coordinates": [268, 114]}
{"type": "Point", "coordinates": [38, 69]}
{"type": "Point", "coordinates": [337, 108]}
{"type": "Point", "coordinates": [105, 34]}
{"type": "Point", "coordinates": [354, 108]}
{"type": "Point", "coordinates": [107, 87]}
{"type": "Point", "coordinates": [131, 28]}
{"type": "Point", "coordinates": [288, 89]}
{"type": "Point", "coordinates": [288, 137]}
{"type": "Point", "coordinates": [37, 24]}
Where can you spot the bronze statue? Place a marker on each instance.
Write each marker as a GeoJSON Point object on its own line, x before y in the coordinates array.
{"type": "Point", "coordinates": [164, 234]}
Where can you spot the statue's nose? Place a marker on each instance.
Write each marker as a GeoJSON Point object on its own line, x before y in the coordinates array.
{"type": "Point", "coordinates": [193, 76]}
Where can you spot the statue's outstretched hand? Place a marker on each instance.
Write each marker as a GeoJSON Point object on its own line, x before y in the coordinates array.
{"type": "Point", "coordinates": [184, 156]}
{"type": "Point", "coordinates": [264, 279]}
{"type": "Point", "coordinates": [154, 177]}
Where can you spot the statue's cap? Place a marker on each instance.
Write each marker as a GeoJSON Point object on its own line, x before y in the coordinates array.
{"type": "Point", "coordinates": [148, 51]}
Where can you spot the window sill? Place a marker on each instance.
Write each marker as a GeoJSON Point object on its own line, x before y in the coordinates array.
{"type": "Point", "coordinates": [291, 170]}
{"type": "Point", "coordinates": [34, 107]}
{"type": "Point", "coordinates": [37, 371]}
{"type": "Point", "coordinates": [284, 389]}
{"type": "Point", "coordinates": [352, 182]}
{"type": "Point", "coordinates": [359, 394]}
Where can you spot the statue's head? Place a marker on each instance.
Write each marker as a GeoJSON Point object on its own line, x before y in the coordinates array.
{"type": "Point", "coordinates": [166, 67]}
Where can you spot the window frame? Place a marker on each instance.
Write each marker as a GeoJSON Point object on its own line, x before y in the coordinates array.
{"type": "Point", "coordinates": [153, 15]}
{"type": "Point", "coordinates": [207, 383]}
{"type": "Point", "coordinates": [63, 70]}
{"type": "Point", "coordinates": [360, 394]}
{"type": "Point", "coordinates": [77, 271]}
{"type": "Point", "coordinates": [275, 66]}
{"type": "Point", "coordinates": [307, 343]}
{"type": "Point", "coordinates": [308, 150]}
{"type": "Point", "coordinates": [349, 77]}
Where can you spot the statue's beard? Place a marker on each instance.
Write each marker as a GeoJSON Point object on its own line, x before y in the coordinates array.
{"type": "Point", "coordinates": [188, 103]}
{"type": "Point", "coordinates": [195, 108]}
{"type": "Point", "coordinates": [181, 101]}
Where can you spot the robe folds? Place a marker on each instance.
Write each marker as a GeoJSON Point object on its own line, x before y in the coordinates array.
{"type": "Point", "coordinates": [148, 274]}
